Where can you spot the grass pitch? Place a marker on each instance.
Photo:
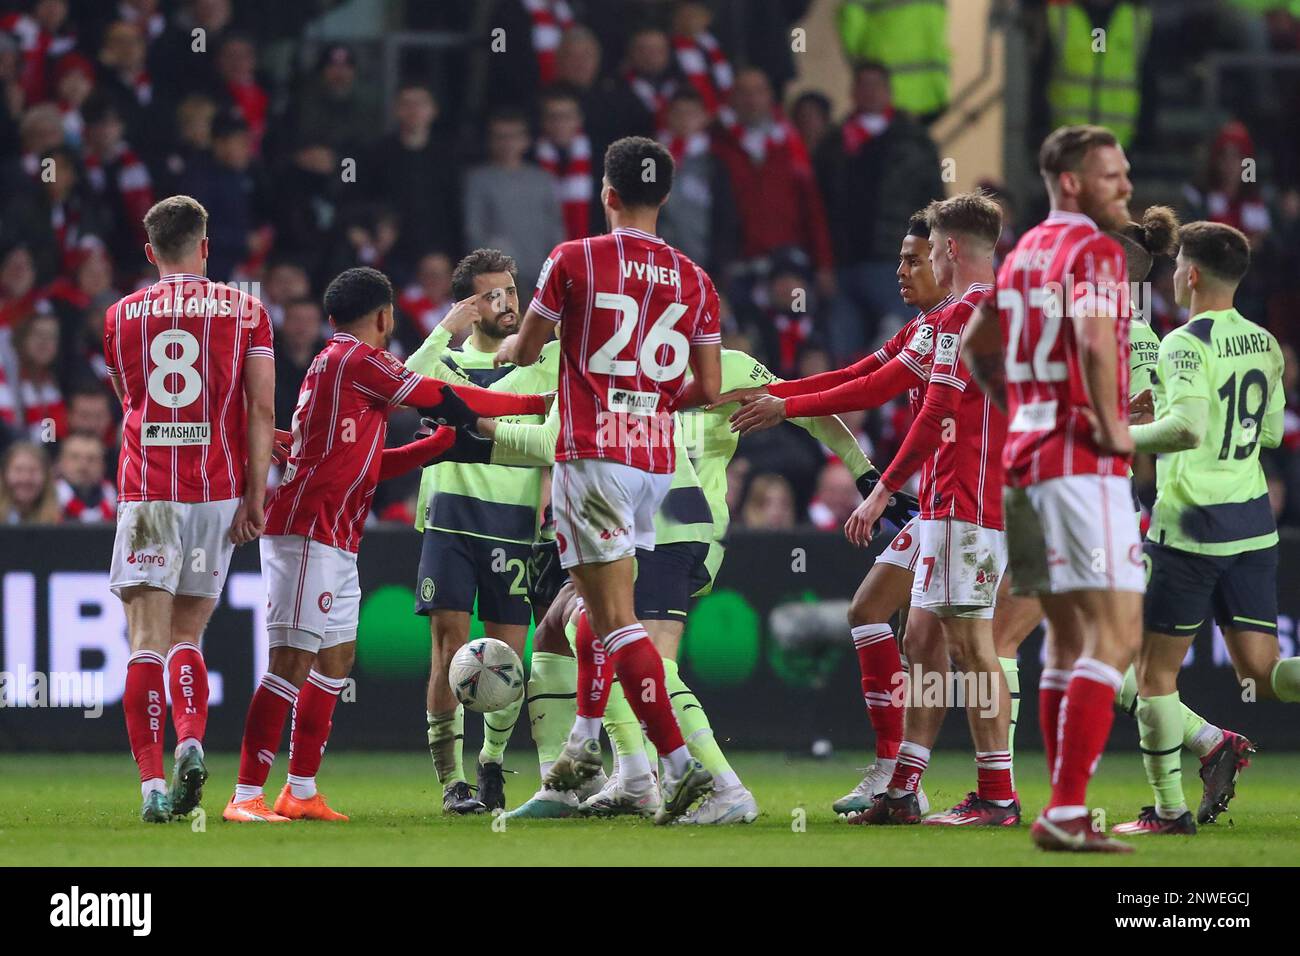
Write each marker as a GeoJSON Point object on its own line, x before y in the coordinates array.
{"type": "Point", "coordinates": [80, 810]}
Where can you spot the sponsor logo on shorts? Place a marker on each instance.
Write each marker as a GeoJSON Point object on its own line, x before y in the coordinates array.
{"type": "Point", "coordinates": [608, 534]}
{"type": "Point", "coordinates": [173, 434]}
{"type": "Point", "coordinates": [426, 589]}
{"type": "Point", "coordinates": [325, 601]}
{"type": "Point", "coordinates": [143, 558]}
{"type": "Point", "coordinates": [562, 542]}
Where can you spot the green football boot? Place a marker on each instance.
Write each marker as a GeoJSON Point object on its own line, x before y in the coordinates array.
{"type": "Point", "coordinates": [157, 808]}
{"type": "Point", "coordinates": [188, 777]}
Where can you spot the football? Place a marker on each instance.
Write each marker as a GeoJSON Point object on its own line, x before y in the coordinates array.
{"type": "Point", "coordinates": [486, 675]}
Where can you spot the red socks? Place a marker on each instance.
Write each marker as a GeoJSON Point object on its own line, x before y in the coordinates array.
{"type": "Point", "coordinates": [993, 771]}
{"type": "Point", "coordinates": [913, 759]}
{"type": "Point", "coordinates": [640, 671]}
{"type": "Point", "coordinates": [187, 679]}
{"type": "Point", "coordinates": [594, 670]}
{"type": "Point", "coordinates": [263, 728]}
{"type": "Point", "coordinates": [1086, 717]}
{"type": "Point", "coordinates": [1051, 691]}
{"type": "Point", "coordinates": [880, 663]}
{"type": "Point", "coordinates": [312, 719]}
{"type": "Point", "coordinates": [145, 704]}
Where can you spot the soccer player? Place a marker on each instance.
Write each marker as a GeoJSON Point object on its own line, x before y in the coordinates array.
{"type": "Point", "coordinates": [1055, 354]}
{"type": "Point", "coordinates": [479, 522]}
{"type": "Point", "coordinates": [1212, 544]}
{"type": "Point", "coordinates": [192, 363]}
{"type": "Point", "coordinates": [635, 314]}
{"type": "Point", "coordinates": [314, 521]}
{"type": "Point", "coordinates": [887, 586]}
{"type": "Point", "coordinates": [961, 547]}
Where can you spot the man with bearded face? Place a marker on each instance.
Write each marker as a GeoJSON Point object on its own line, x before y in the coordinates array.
{"type": "Point", "coordinates": [479, 522]}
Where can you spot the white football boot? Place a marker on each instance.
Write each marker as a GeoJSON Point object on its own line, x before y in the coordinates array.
{"type": "Point", "coordinates": [614, 800]}
{"type": "Point", "coordinates": [733, 805]}
{"type": "Point", "coordinates": [872, 785]}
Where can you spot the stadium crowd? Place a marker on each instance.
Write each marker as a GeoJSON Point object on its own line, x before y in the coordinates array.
{"type": "Point", "coordinates": [796, 212]}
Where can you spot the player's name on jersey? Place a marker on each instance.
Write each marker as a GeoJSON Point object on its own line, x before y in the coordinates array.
{"type": "Point", "coordinates": [175, 433]}
{"type": "Point", "coordinates": [1106, 297]}
{"type": "Point", "coordinates": [190, 306]}
{"type": "Point", "coordinates": [651, 273]}
{"type": "Point", "coordinates": [1247, 343]}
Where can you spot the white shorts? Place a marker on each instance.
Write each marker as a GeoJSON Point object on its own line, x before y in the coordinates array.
{"type": "Point", "coordinates": [180, 546]}
{"type": "Point", "coordinates": [313, 593]}
{"type": "Point", "coordinates": [959, 565]}
{"type": "Point", "coordinates": [902, 551]}
{"type": "Point", "coordinates": [604, 510]}
{"type": "Point", "coordinates": [1075, 533]}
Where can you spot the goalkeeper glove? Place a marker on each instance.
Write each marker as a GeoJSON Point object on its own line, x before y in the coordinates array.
{"type": "Point", "coordinates": [451, 410]}
{"type": "Point", "coordinates": [902, 507]}
{"type": "Point", "coordinates": [469, 447]}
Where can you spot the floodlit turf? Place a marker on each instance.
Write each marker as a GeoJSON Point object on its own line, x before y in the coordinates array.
{"type": "Point", "coordinates": [82, 810]}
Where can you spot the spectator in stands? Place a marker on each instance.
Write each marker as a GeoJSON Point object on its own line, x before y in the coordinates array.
{"type": "Point", "coordinates": [90, 412]}
{"type": "Point", "coordinates": [146, 15]}
{"type": "Point", "coordinates": [911, 40]}
{"type": "Point", "coordinates": [876, 169]}
{"type": "Point", "coordinates": [647, 84]}
{"type": "Point", "coordinates": [519, 69]}
{"type": "Point", "coordinates": [510, 204]}
{"type": "Point", "coordinates": [117, 176]}
{"type": "Point", "coordinates": [1225, 192]}
{"type": "Point", "coordinates": [772, 180]}
{"type": "Point", "coordinates": [39, 131]}
{"type": "Point", "coordinates": [44, 35]}
{"type": "Point", "coordinates": [769, 503]}
{"type": "Point", "coordinates": [125, 78]}
{"type": "Point", "coordinates": [74, 81]}
{"type": "Point", "coordinates": [31, 401]}
{"type": "Point", "coordinates": [285, 281]}
{"type": "Point", "coordinates": [226, 180]}
{"type": "Point", "coordinates": [563, 149]}
{"type": "Point", "coordinates": [331, 109]}
{"type": "Point", "coordinates": [778, 313]}
{"type": "Point", "coordinates": [195, 116]}
{"type": "Point", "coordinates": [236, 71]}
{"type": "Point", "coordinates": [811, 116]}
{"type": "Point", "coordinates": [425, 300]}
{"type": "Point", "coordinates": [414, 169]}
{"type": "Point", "coordinates": [700, 215]}
{"type": "Point", "coordinates": [174, 55]}
{"type": "Point", "coordinates": [11, 98]}
{"type": "Point", "coordinates": [699, 56]}
{"type": "Point", "coordinates": [297, 341]}
{"type": "Point", "coordinates": [83, 492]}
{"type": "Point", "coordinates": [577, 66]}
{"type": "Point", "coordinates": [308, 207]}
{"type": "Point", "coordinates": [27, 494]}
{"type": "Point", "coordinates": [55, 218]}
{"type": "Point", "coordinates": [18, 294]}
{"type": "Point", "coordinates": [835, 499]}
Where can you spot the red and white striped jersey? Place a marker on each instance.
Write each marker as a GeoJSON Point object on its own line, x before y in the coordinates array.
{"type": "Point", "coordinates": [956, 439]}
{"type": "Point", "coordinates": [179, 348]}
{"type": "Point", "coordinates": [631, 306]}
{"type": "Point", "coordinates": [914, 345]}
{"type": "Point", "coordinates": [1063, 265]}
{"type": "Point", "coordinates": [339, 429]}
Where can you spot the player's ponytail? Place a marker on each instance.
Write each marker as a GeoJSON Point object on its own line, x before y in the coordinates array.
{"type": "Point", "coordinates": [1155, 235]}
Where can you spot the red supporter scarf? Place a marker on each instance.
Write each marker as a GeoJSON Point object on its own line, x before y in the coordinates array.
{"type": "Point", "coordinates": [776, 135]}
{"type": "Point", "coordinates": [550, 19]}
{"type": "Point", "coordinates": [653, 98]}
{"type": "Point", "coordinates": [683, 147]}
{"type": "Point", "coordinates": [27, 404]}
{"type": "Point", "coordinates": [706, 68]}
{"type": "Point", "coordinates": [572, 172]}
{"type": "Point", "coordinates": [75, 508]}
{"type": "Point", "coordinates": [861, 128]}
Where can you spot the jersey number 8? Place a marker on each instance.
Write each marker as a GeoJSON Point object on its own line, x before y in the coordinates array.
{"type": "Point", "coordinates": [166, 366]}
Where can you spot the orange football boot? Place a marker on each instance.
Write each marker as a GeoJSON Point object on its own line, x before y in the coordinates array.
{"type": "Point", "coordinates": [252, 810]}
{"type": "Point", "coordinates": [287, 805]}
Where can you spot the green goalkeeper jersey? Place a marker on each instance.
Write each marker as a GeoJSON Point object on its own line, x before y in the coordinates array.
{"type": "Point", "coordinates": [1213, 499]}
{"type": "Point", "coordinates": [486, 501]}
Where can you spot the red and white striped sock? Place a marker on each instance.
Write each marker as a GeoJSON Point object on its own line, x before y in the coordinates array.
{"type": "Point", "coordinates": [913, 759]}
{"type": "Point", "coordinates": [144, 702]}
{"type": "Point", "coordinates": [993, 770]}
{"type": "Point", "coordinates": [1051, 691]}
{"type": "Point", "coordinates": [187, 679]}
{"type": "Point", "coordinates": [1086, 717]}
{"type": "Point", "coordinates": [312, 719]}
{"type": "Point", "coordinates": [880, 664]}
{"type": "Point", "coordinates": [640, 672]}
{"type": "Point", "coordinates": [263, 728]}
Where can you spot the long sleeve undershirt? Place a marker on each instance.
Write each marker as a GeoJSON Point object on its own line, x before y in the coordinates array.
{"type": "Point", "coordinates": [826, 380]}
{"type": "Point", "coordinates": [870, 391]}
{"type": "Point", "coordinates": [398, 461]}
